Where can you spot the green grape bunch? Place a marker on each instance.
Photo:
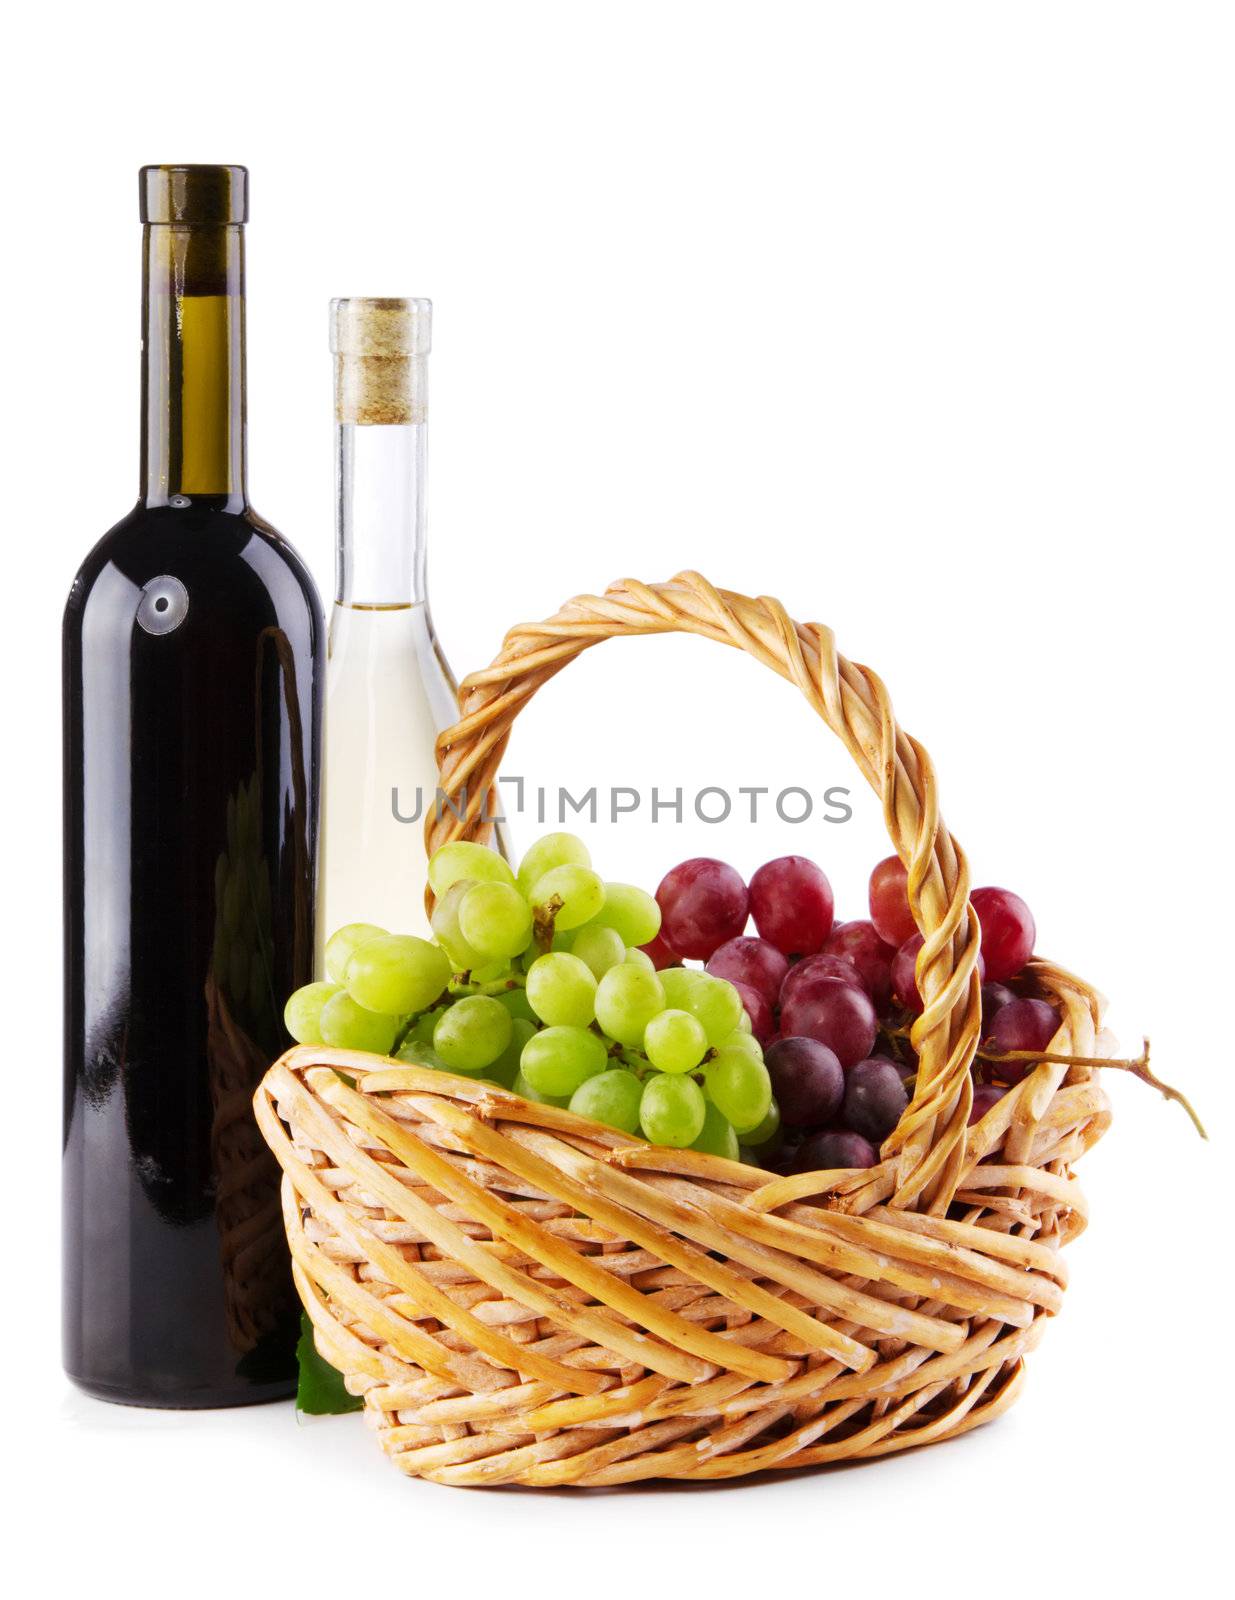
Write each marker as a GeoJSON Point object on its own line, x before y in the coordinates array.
{"type": "Point", "coordinates": [538, 982]}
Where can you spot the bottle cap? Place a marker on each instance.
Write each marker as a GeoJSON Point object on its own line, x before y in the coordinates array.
{"type": "Point", "coordinates": [379, 348]}
{"type": "Point", "coordinates": [195, 196]}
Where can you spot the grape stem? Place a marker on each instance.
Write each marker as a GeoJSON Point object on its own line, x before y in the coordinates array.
{"type": "Point", "coordinates": [544, 919]}
{"type": "Point", "coordinates": [1139, 1068]}
{"type": "Point", "coordinates": [633, 1060]}
{"type": "Point", "coordinates": [460, 986]}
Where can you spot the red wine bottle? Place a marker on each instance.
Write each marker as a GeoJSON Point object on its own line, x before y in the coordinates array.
{"type": "Point", "coordinates": [193, 672]}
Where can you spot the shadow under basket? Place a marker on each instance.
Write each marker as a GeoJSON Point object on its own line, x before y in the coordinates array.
{"type": "Point", "coordinates": [523, 1296]}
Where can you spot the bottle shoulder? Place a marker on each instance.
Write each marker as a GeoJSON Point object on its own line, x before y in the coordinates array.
{"type": "Point", "coordinates": [284, 551]}
{"type": "Point", "coordinates": [223, 559]}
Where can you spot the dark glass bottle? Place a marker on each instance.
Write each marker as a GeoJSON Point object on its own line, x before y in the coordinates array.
{"type": "Point", "coordinates": [193, 671]}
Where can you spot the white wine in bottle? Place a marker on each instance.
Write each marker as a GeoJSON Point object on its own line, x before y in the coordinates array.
{"type": "Point", "coordinates": [389, 691]}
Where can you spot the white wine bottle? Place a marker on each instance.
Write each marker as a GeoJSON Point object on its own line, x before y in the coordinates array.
{"type": "Point", "coordinates": [389, 690]}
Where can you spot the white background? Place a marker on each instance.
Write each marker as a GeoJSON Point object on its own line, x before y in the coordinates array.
{"type": "Point", "coordinates": [919, 317]}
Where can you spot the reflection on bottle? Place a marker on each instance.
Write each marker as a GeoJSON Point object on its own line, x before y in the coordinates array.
{"type": "Point", "coordinates": [245, 1030]}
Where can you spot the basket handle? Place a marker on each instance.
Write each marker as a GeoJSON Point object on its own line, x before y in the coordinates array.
{"type": "Point", "coordinates": [927, 1148]}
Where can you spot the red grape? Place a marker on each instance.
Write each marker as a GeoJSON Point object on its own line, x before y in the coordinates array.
{"type": "Point", "coordinates": [1008, 931]}
{"type": "Point", "coordinates": [660, 953]}
{"type": "Point", "coordinates": [781, 1154]}
{"type": "Point", "coordinates": [904, 977]}
{"type": "Point", "coordinates": [904, 973]}
{"type": "Point", "coordinates": [751, 961]}
{"type": "Point", "coordinates": [836, 1014]}
{"type": "Point", "coordinates": [791, 902]}
{"type": "Point", "coordinates": [875, 1099]}
{"type": "Point", "coordinates": [889, 902]}
{"type": "Point", "coordinates": [1020, 1025]}
{"type": "Point", "coordinates": [807, 1080]}
{"type": "Point", "coordinates": [758, 1009]}
{"type": "Point", "coordinates": [984, 1097]}
{"type": "Point", "coordinates": [994, 997]}
{"type": "Point", "coordinates": [860, 943]}
{"type": "Point", "coordinates": [835, 1148]}
{"type": "Point", "coordinates": [819, 967]}
{"type": "Point", "coordinates": [702, 903]}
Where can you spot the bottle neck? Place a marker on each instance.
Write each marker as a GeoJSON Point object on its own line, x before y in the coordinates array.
{"type": "Point", "coordinates": [379, 481]}
{"type": "Point", "coordinates": [193, 403]}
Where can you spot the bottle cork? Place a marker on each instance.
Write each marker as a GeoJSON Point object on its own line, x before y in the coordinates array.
{"type": "Point", "coordinates": [380, 368]}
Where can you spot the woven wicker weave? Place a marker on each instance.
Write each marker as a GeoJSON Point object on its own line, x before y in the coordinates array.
{"type": "Point", "coordinates": [525, 1297]}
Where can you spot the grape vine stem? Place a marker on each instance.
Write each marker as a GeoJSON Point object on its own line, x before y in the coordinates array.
{"type": "Point", "coordinates": [1138, 1066]}
{"type": "Point", "coordinates": [499, 986]}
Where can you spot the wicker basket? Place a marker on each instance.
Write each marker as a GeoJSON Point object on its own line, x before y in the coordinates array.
{"type": "Point", "coordinates": [522, 1296]}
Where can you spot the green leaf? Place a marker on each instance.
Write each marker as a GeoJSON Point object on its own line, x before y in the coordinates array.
{"type": "Point", "coordinates": [320, 1392]}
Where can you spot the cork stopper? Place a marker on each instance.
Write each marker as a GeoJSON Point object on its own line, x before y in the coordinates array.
{"type": "Point", "coordinates": [380, 368]}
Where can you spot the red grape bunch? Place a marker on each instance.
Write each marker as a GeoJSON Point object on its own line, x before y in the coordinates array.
{"type": "Point", "coordinates": [831, 1003]}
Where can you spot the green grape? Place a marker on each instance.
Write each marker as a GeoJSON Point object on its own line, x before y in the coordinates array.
{"type": "Point", "coordinates": [506, 1068]}
{"type": "Point", "coordinates": [767, 1129]}
{"type": "Point", "coordinates": [343, 944]}
{"type": "Point", "coordinates": [561, 990]}
{"type": "Point", "coordinates": [302, 1015]}
{"type": "Point", "coordinates": [422, 1029]}
{"type": "Point", "coordinates": [397, 973]}
{"type": "Point", "coordinates": [674, 1041]}
{"type": "Point", "coordinates": [494, 972]}
{"type": "Point", "coordinates": [516, 1002]}
{"type": "Point", "coordinates": [495, 920]}
{"type": "Point", "coordinates": [611, 1097]}
{"type": "Point", "coordinates": [632, 912]}
{"type": "Point", "coordinates": [446, 930]}
{"type": "Point", "coordinates": [462, 859]}
{"type": "Point", "coordinates": [672, 1110]}
{"type": "Point", "coordinates": [523, 1087]}
{"type": "Point", "coordinates": [640, 958]}
{"type": "Point", "coordinates": [557, 1060]}
{"type": "Point", "coordinates": [562, 944]}
{"type": "Point", "coordinates": [739, 1039]}
{"type": "Point", "coordinates": [717, 1004]}
{"type": "Point", "coordinates": [419, 1054]}
{"type": "Point", "coordinates": [473, 1033]}
{"type": "Point", "coordinates": [352, 1027]}
{"type": "Point", "coordinates": [598, 948]}
{"type": "Point", "coordinates": [717, 1137]}
{"type": "Point", "coordinates": [739, 1086]}
{"type": "Point", "coordinates": [745, 1025]}
{"type": "Point", "coordinates": [579, 890]}
{"type": "Point", "coordinates": [712, 1000]}
{"type": "Point", "coordinates": [679, 984]}
{"type": "Point", "coordinates": [554, 850]}
{"type": "Point", "coordinates": [627, 998]}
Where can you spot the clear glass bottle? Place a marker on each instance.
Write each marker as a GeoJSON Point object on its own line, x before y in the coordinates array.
{"type": "Point", "coordinates": [389, 690]}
